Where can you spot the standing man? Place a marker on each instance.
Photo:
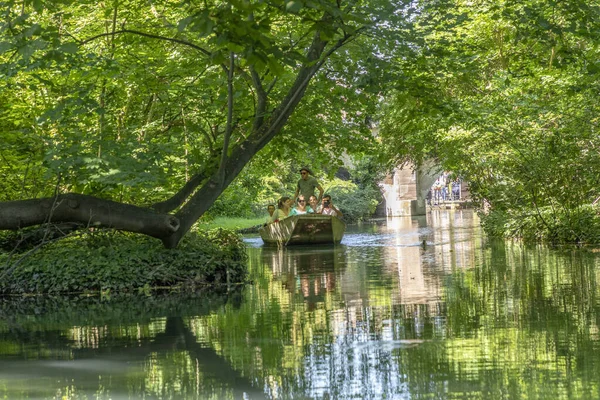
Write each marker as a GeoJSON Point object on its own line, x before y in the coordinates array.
{"type": "Point", "coordinates": [307, 184]}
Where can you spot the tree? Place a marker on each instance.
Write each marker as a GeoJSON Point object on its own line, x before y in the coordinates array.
{"type": "Point", "coordinates": [504, 94]}
{"type": "Point", "coordinates": [162, 104]}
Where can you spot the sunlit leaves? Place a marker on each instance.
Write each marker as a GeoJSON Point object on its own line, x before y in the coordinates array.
{"type": "Point", "coordinates": [504, 95]}
{"type": "Point", "coordinates": [135, 95]}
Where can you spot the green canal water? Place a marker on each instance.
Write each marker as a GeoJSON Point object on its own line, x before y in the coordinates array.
{"type": "Point", "coordinates": [408, 308]}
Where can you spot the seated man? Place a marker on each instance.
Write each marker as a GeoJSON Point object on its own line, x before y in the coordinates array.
{"type": "Point", "coordinates": [271, 210]}
{"type": "Point", "coordinates": [328, 208]}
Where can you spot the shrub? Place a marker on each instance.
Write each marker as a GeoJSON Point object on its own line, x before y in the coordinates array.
{"type": "Point", "coordinates": [548, 224]}
{"type": "Point", "coordinates": [98, 261]}
{"type": "Point", "coordinates": [356, 203]}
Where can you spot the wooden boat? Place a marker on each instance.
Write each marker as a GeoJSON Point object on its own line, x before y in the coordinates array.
{"type": "Point", "coordinates": [304, 229]}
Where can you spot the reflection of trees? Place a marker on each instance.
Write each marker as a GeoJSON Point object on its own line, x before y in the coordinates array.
{"type": "Point", "coordinates": [522, 322]}
{"type": "Point", "coordinates": [518, 323]}
{"type": "Point", "coordinates": [530, 312]}
{"type": "Point", "coordinates": [141, 355]}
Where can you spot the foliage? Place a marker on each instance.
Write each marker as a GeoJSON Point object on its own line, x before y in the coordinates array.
{"type": "Point", "coordinates": [577, 226]}
{"type": "Point", "coordinates": [355, 202]}
{"type": "Point", "coordinates": [155, 90]}
{"type": "Point", "coordinates": [100, 261]}
{"type": "Point", "coordinates": [506, 97]}
{"type": "Point", "coordinates": [232, 223]}
{"type": "Point", "coordinates": [236, 201]}
{"type": "Point", "coordinates": [131, 101]}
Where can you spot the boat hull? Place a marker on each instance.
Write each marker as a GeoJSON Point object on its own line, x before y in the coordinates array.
{"type": "Point", "coordinates": [304, 229]}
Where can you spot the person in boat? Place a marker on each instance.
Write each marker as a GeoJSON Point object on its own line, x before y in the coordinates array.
{"type": "Point", "coordinates": [314, 204]}
{"type": "Point", "coordinates": [327, 207]}
{"type": "Point", "coordinates": [284, 209]}
{"type": "Point", "coordinates": [307, 184]}
{"type": "Point", "coordinates": [270, 210]}
{"type": "Point", "coordinates": [301, 207]}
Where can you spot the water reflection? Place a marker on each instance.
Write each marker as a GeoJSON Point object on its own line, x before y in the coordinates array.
{"type": "Point", "coordinates": [308, 271]}
{"type": "Point", "coordinates": [405, 308]}
{"type": "Point", "coordinates": [381, 291]}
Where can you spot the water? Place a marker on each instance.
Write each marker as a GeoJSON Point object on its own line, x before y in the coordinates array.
{"type": "Point", "coordinates": [410, 308]}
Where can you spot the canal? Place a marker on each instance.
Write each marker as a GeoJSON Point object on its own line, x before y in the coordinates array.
{"type": "Point", "coordinates": [405, 308]}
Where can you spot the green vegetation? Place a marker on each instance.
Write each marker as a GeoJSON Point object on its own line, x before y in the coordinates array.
{"type": "Point", "coordinates": [577, 226]}
{"type": "Point", "coordinates": [175, 114]}
{"type": "Point", "coordinates": [160, 106]}
{"type": "Point", "coordinates": [105, 262]}
{"type": "Point", "coordinates": [152, 117]}
{"type": "Point", "coordinates": [230, 223]}
{"type": "Point", "coordinates": [505, 95]}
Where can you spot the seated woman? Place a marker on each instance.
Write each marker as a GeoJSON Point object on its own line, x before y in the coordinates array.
{"type": "Point", "coordinates": [301, 207]}
{"type": "Point", "coordinates": [284, 206]}
{"type": "Point", "coordinates": [314, 204]}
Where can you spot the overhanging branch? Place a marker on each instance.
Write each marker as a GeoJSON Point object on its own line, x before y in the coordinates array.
{"type": "Point", "coordinates": [148, 35]}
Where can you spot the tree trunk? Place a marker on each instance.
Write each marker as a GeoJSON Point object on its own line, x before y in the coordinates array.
{"type": "Point", "coordinates": [89, 211]}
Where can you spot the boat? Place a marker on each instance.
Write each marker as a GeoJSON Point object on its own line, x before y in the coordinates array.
{"type": "Point", "coordinates": [304, 229]}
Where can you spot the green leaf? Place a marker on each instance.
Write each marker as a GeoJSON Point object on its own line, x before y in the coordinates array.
{"type": "Point", "coordinates": [184, 23]}
{"type": "Point", "coordinates": [293, 6]}
{"type": "Point", "coordinates": [70, 47]}
{"type": "Point", "coordinates": [5, 46]}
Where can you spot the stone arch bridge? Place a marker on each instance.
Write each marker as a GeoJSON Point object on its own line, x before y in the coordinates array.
{"type": "Point", "coordinates": [406, 190]}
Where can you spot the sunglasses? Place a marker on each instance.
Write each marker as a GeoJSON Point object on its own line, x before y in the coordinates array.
{"type": "Point", "coordinates": [301, 201]}
{"type": "Point", "coordinates": [303, 173]}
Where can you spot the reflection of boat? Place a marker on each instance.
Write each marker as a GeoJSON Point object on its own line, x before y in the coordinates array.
{"type": "Point", "coordinates": [304, 229]}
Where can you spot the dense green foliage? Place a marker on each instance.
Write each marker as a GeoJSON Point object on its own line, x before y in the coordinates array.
{"type": "Point", "coordinates": [162, 105]}
{"type": "Point", "coordinates": [100, 261]}
{"type": "Point", "coordinates": [505, 95]}
{"type": "Point", "coordinates": [127, 99]}
{"type": "Point", "coordinates": [577, 226]}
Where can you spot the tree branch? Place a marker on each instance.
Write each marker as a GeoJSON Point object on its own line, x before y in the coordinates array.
{"type": "Point", "coordinates": [315, 52]}
{"type": "Point", "coordinates": [84, 209]}
{"type": "Point", "coordinates": [149, 35]}
{"type": "Point", "coordinates": [229, 126]}
{"type": "Point", "coordinates": [181, 196]}
{"type": "Point", "coordinates": [261, 97]}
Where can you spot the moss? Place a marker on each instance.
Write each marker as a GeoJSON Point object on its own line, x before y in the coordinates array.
{"type": "Point", "coordinates": [105, 261]}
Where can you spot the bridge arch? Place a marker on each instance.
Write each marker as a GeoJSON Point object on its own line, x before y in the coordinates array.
{"type": "Point", "coordinates": [405, 189]}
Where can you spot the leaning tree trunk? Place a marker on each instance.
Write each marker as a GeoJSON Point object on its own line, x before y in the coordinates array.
{"type": "Point", "coordinates": [208, 193]}
{"type": "Point", "coordinates": [88, 211]}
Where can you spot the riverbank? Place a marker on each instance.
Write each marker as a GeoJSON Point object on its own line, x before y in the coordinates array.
{"type": "Point", "coordinates": [101, 262]}
{"type": "Point", "coordinates": [232, 224]}
{"type": "Point", "coordinates": [580, 226]}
